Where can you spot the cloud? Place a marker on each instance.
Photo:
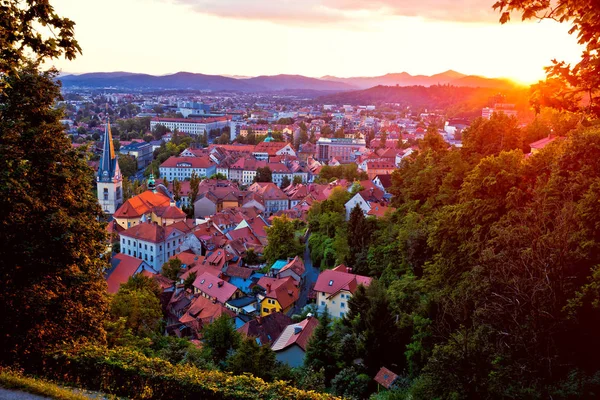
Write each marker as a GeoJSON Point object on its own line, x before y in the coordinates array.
{"type": "Point", "coordinates": [334, 11]}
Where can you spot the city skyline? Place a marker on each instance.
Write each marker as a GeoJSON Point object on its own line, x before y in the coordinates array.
{"type": "Point", "coordinates": [342, 38]}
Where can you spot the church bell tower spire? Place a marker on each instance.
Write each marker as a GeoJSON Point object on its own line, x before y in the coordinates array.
{"type": "Point", "coordinates": [109, 181]}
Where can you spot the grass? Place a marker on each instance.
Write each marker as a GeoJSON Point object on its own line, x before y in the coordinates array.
{"type": "Point", "coordinates": [14, 380]}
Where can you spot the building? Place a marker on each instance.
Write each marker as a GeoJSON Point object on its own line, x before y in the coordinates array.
{"type": "Point", "coordinates": [183, 167]}
{"type": "Point", "coordinates": [507, 109]}
{"type": "Point", "coordinates": [142, 151]}
{"type": "Point", "coordinates": [290, 346]}
{"type": "Point", "coordinates": [109, 181]}
{"type": "Point", "coordinates": [138, 207]}
{"type": "Point", "coordinates": [540, 144]}
{"type": "Point", "coordinates": [122, 268]}
{"type": "Point", "coordinates": [153, 243]}
{"type": "Point", "coordinates": [265, 330]}
{"type": "Point", "coordinates": [197, 126]}
{"type": "Point", "coordinates": [341, 149]}
{"type": "Point", "coordinates": [273, 197]}
{"type": "Point", "coordinates": [334, 287]}
{"type": "Point", "coordinates": [280, 295]}
{"type": "Point", "coordinates": [214, 288]}
{"type": "Point", "coordinates": [293, 267]}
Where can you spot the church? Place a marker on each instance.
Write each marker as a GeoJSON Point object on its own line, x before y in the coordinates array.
{"type": "Point", "coordinates": [109, 180]}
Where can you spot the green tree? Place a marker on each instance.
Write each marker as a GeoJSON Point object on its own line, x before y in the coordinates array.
{"type": "Point", "coordinates": [128, 165]}
{"type": "Point", "coordinates": [222, 139]}
{"type": "Point", "coordinates": [194, 187]}
{"type": "Point", "coordinates": [252, 358]}
{"type": "Point", "coordinates": [285, 182]}
{"type": "Point", "coordinates": [297, 180]}
{"type": "Point", "coordinates": [321, 352]}
{"type": "Point", "coordinates": [176, 189]}
{"type": "Point", "coordinates": [282, 241]}
{"type": "Point", "coordinates": [263, 174]}
{"type": "Point", "coordinates": [51, 234]}
{"type": "Point", "coordinates": [159, 130]}
{"type": "Point", "coordinates": [171, 269]}
{"type": "Point", "coordinates": [220, 338]}
{"type": "Point", "coordinates": [137, 301]}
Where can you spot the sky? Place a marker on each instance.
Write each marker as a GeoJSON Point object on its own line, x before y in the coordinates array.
{"type": "Point", "coordinates": [311, 37]}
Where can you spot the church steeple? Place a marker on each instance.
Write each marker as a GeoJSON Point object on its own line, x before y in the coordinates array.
{"type": "Point", "coordinates": [109, 181]}
{"type": "Point", "coordinates": [108, 170]}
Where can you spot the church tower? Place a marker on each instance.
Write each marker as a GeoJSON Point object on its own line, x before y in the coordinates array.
{"type": "Point", "coordinates": [109, 181]}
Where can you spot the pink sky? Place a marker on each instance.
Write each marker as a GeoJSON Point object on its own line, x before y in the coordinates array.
{"type": "Point", "coordinates": [311, 37]}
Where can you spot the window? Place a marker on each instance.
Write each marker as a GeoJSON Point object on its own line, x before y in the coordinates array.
{"type": "Point", "coordinates": [151, 258]}
{"type": "Point", "coordinates": [145, 247]}
{"type": "Point", "coordinates": [333, 302]}
{"type": "Point", "coordinates": [151, 248]}
{"type": "Point", "coordinates": [129, 242]}
{"type": "Point", "coordinates": [123, 240]}
{"type": "Point", "coordinates": [160, 248]}
{"type": "Point", "coordinates": [342, 314]}
{"type": "Point", "coordinates": [323, 293]}
{"type": "Point", "coordinates": [202, 281]}
{"type": "Point", "coordinates": [265, 310]}
{"type": "Point", "coordinates": [210, 285]}
{"type": "Point", "coordinates": [140, 244]}
{"type": "Point", "coordinates": [331, 282]}
{"type": "Point", "coordinates": [322, 303]}
{"type": "Point", "coordinates": [105, 193]}
{"type": "Point", "coordinates": [134, 254]}
{"type": "Point", "coordinates": [343, 305]}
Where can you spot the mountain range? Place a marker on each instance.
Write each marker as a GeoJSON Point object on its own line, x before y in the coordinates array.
{"type": "Point", "coordinates": [264, 83]}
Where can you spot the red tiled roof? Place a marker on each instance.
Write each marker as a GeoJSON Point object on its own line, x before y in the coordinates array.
{"type": "Point", "coordinates": [379, 210]}
{"type": "Point", "coordinates": [125, 268]}
{"type": "Point", "coordinates": [141, 204]}
{"type": "Point", "coordinates": [289, 336]}
{"type": "Point", "coordinates": [267, 328]}
{"type": "Point", "coordinates": [187, 162]}
{"type": "Point", "coordinates": [203, 311]}
{"type": "Point", "coordinates": [169, 212]}
{"type": "Point", "coordinates": [385, 377]}
{"type": "Point", "coordinates": [295, 265]}
{"type": "Point", "coordinates": [331, 281]}
{"type": "Point", "coordinates": [197, 120]}
{"type": "Point", "coordinates": [285, 290]}
{"type": "Point", "coordinates": [146, 231]}
{"type": "Point", "coordinates": [241, 272]}
{"type": "Point", "coordinates": [215, 287]}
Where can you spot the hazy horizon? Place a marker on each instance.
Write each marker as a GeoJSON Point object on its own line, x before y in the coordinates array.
{"type": "Point", "coordinates": [342, 38]}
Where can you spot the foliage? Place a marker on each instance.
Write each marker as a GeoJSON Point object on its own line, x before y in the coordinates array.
{"type": "Point", "coordinates": [220, 337]}
{"type": "Point", "coordinates": [128, 373]}
{"type": "Point", "coordinates": [51, 231]}
{"type": "Point", "coordinates": [349, 172]}
{"type": "Point", "coordinates": [137, 301]}
{"type": "Point", "coordinates": [285, 182]}
{"type": "Point", "coordinates": [171, 269]}
{"type": "Point", "coordinates": [263, 174]}
{"type": "Point", "coordinates": [128, 165]}
{"type": "Point", "coordinates": [15, 380]}
{"type": "Point", "coordinates": [282, 241]}
{"type": "Point", "coordinates": [321, 352]}
{"type": "Point", "coordinates": [252, 358]}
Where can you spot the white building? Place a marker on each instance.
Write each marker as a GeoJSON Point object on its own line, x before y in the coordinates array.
{"type": "Point", "coordinates": [153, 243]}
{"type": "Point", "coordinates": [183, 167]}
{"type": "Point", "coordinates": [191, 126]}
{"type": "Point", "coordinates": [334, 287]}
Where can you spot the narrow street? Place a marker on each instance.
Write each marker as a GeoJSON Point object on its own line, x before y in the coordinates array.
{"type": "Point", "coordinates": [310, 278]}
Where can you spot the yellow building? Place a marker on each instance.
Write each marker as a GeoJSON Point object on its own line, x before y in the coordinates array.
{"type": "Point", "coordinates": [280, 295]}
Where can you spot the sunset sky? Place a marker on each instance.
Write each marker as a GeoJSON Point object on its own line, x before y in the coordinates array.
{"type": "Point", "coordinates": [311, 37]}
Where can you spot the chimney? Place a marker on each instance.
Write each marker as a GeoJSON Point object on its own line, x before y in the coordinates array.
{"type": "Point", "coordinates": [220, 283]}
{"type": "Point", "coordinates": [268, 287]}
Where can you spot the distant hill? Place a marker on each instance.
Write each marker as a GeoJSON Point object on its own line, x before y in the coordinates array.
{"type": "Point", "coordinates": [194, 81]}
{"type": "Point", "coordinates": [456, 101]}
{"type": "Point", "coordinates": [266, 83]}
{"type": "Point", "coordinates": [405, 79]}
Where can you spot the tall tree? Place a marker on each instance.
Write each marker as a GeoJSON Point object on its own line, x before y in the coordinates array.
{"type": "Point", "coordinates": [263, 174]}
{"type": "Point", "coordinates": [321, 352]}
{"type": "Point", "coordinates": [282, 241]}
{"type": "Point", "coordinates": [220, 337]}
{"type": "Point", "coordinates": [53, 288]}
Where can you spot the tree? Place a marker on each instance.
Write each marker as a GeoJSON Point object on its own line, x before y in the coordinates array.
{"type": "Point", "coordinates": [128, 165]}
{"type": "Point", "coordinates": [263, 174]}
{"type": "Point", "coordinates": [581, 78]}
{"type": "Point", "coordinates": [297, 180]}
{"type": "Point", "coordinates": [137, 301]}
{"type": "Point", "coordinates": [176, 189]}
{"type": "Point", "coordinates": [252, 358]}
{"type": "Point", "coordinates": [51, 231]}
{"type": "Point", "coordinates": [223, 139]}
{"type": "Point", "coordinates": [321, 352]}
{"type": "Point", "coordinates": [220, 337]}
{"type": "Point", "coordinates": [285, 182]}
{"type": "Point", "coordinates": [282, 241]}
{"type": "Point", "coordinates": [171, 269]}
{"type": "Point", "coordinates": [194, 187]}
{"type": "Point", "coordinates": [188, 283]}
{"type": "Point", "coordinates": [159, 130]}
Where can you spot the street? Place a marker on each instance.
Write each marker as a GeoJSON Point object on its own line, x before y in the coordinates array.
{"type": "Point", "coordinates": [311, 276]}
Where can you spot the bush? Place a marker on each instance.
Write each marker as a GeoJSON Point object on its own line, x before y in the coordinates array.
{"type": "Point", "coordinates": [126, 372]}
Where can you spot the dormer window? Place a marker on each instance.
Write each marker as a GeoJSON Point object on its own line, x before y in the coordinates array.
{"type": "Point", "coordinates": [331, 282]}
{"type": "Point", "coordinates": [202, 281]}
{"type": "Point", "coordinates": [211, 285]}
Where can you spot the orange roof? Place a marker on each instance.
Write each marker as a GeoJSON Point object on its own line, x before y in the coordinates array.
{"type": "Point", "coordinates": [203, 311]}
{"type": "Point", "coordinates": [215, 287]}
{"type": "Point", "coordinates": [379, 210]}
{"type": "Point", "coordinates": [142, 204]}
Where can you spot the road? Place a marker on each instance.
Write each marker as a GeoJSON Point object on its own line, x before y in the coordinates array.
{"type": "Point", "coordinates": [6, 394]}
{"type": "Point", "coordinates": [311, 276]}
